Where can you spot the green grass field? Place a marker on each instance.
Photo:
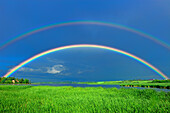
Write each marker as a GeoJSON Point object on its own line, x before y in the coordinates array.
{"type": "Point", "coordinates": [41, 99]}
{"type": "Point", "coordinates": [150, 85]}
{"type": "Point", "coordinates": [143, 83]}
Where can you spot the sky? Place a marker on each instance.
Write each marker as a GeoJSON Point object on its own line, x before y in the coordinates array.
{"type": "Point", "coordinates": [84, 64]}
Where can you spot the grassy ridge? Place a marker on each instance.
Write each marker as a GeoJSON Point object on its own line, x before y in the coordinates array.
{"type": "Point", "coordinates": [75, 99]}
{"type": "Point", "coordinates": [149, 85]}
{"type": "Point", "coordinates": [130, 83]}
{"type": "Point", "coordinates": [143, 83]}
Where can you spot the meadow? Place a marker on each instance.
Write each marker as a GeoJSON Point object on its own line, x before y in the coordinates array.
{"type": "Point", "coordinates": [66, 99]}
{"type": "Point", "coordinates": [136, 83]}
{"type": "Point", "coordinates": [148, 85]}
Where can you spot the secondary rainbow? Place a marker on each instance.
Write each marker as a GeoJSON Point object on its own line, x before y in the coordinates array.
{"type": "Point", "coordinates": [86, 45]}
{"type": "Point", "coordinates": [67, 23]}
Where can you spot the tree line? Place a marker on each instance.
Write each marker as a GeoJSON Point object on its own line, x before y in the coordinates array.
{"type": "Point", "coordinates": [161, 81]}
{"type": "Point", "coordinates": [13, 80]}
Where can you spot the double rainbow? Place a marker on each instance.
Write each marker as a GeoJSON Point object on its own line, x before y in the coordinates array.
{"type": "Point", "coordinates": [68, 23]}
{"type": "Point", "coordinates": [86, 45]}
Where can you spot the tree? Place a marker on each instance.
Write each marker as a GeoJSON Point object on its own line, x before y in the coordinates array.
{"type": "Point", "coordinates": [8, 81]}
{"type": "Point", "coordinates": [26, 81]}
{"type": "Point", "coordinates": [21, 80]}
{"type": "Point", "coordinates": [3, 79]}
{"type": "Point", "coordinates": [10, 78]}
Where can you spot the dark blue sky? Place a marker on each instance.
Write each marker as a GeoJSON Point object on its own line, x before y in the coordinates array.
{"type": "Point", "coordinates": [150, 16]}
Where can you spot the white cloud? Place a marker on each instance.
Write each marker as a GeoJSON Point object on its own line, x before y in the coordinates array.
{"type": "Point", "coordinates": [27, 69]}
{"type": "Point", "coordinates": [56, 69]}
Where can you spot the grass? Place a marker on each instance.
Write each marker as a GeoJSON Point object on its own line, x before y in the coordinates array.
{"type": "Point", "coordinates": [41, 99]}
{"type": "Point", "coordinates": [143, 83]}
{"type": "Point", "coordinates": [130, 83]}
{"type": "Point", "coordinates": [152, 85]}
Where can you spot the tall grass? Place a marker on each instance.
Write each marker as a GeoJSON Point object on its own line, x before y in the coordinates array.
{"type": "Point", "coordinates": [41, 99]}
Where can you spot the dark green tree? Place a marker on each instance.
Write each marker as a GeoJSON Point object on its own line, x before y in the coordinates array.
{"type": "Point", "coordinates": [10, 78]}
{"type": "Point", "coordinates": [3, 79]}
{"type": "Point", "coordinates": [8, 81]}
{"type": "Point", "coordinates": [21, 80]}
{"type": "Point", "coordinates": [26, 81]}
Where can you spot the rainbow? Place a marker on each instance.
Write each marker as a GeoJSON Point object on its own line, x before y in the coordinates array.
{"type": "Point", "coordinates": [67, 23]}
{"type": "Point", "coordinates": [85, 45]}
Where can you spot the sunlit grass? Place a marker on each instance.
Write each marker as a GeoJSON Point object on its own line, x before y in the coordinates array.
{"type": "Point", "coordinates": [76, 99]}
{"type": "Point", "coordinates": [142, 83]}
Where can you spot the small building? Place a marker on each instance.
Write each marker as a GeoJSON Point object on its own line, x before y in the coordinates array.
{"type": "Point", "coordinates": [13, 81]}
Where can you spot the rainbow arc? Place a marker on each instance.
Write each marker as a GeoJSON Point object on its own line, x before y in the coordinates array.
{"type": "Point", "coordinates": [87, 22]}
{"type": "Point", "coordinates": [86, 45]}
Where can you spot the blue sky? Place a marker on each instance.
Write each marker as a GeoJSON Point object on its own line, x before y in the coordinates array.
{"type": "Point", "coordinates": [150, 16]}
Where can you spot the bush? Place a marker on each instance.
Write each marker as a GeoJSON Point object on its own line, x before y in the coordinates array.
{"type": "Point", "coordinates": [161, 81]}
{"type": "Point", "coordinates": [21, 80]}
{"type": "Point", "coordinates": [26, 81]}
{"type": "Point", "coordinates": [8, 81]}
